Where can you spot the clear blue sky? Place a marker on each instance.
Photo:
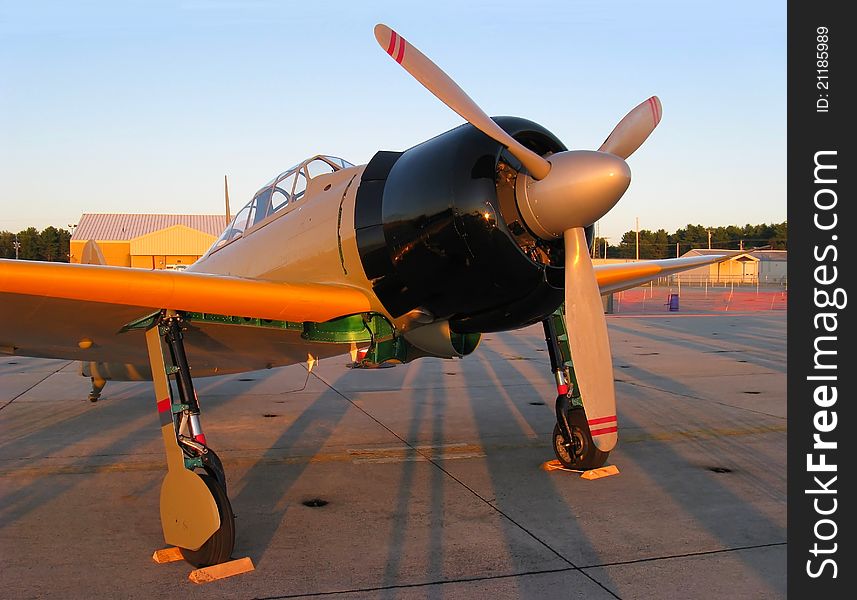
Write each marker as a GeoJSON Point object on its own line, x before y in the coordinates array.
{"type": "Point", "coordinates": [144, 106]}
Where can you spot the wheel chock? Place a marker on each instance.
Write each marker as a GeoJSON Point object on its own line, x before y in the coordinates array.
{"type": "Point", "coordinates": [206, 574]}
{"type": "Point", "coordinates": [555, 465]}
{"type": "Point", "coordinates": [167, 555]}
{"type": "Point", "coordinates": [221, 571]}
{"type": "Point", "coordinates": [600, 472]}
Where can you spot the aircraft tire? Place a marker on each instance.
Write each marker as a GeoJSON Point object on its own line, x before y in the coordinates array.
{"type": "Point", "coordinates": [586, 455]}
{"type": "Point", "coordinates": [218, 548]}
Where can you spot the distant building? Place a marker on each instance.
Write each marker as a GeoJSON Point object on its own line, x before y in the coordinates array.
{"type": "Point", "coordinates": [147, 241]}
{"type": "Point", "coordinates": [744, 267]}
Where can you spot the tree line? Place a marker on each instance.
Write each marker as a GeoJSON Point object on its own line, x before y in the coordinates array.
{"type": "Point", "coordinates": [660, 244]}
{"type": "Point", "coordinates": [50, 244]}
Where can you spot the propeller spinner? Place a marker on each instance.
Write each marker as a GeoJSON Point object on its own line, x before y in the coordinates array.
{"type": "Point", "coordinates": [562, 194]}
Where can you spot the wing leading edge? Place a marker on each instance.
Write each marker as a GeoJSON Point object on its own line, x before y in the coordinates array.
{"type": "Point", "coordinates": [71, 311]}
{"type": "Point", "coordinates": [624, 276]}
{"type": "Point", "coordinates": [46, 309]}
{"type": "Point", "coordinates": [182, 290]}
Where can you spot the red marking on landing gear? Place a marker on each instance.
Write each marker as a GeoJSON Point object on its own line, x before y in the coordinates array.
{"type": "Point", "coordinates": [562, 390]}
{"type": "Point", "coordinates": [200, 438]}
{"type": "Point", "coordinates": [603, 431]}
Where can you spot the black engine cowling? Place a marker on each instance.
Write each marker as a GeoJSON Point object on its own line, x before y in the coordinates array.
{"type": "Point", "coordinates": [438, 229]}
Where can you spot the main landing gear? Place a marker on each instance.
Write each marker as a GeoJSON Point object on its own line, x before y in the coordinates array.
{"type": "Point", "coordinates": [572, 439]}
{"type": "Point", "coordinates": [95, 391]}
{"type": "Point", "coordinates": [195, 512]}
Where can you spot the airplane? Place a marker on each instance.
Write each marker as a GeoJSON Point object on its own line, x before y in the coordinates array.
{"type": "Point", "coordinates": [484, 228]}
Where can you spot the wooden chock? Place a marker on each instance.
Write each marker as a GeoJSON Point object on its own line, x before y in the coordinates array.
{"type": "Point", "coordinates": [221, 571]}
{"type": "Point", "coordinates": [555, 465]}
{"type": "Point", "coordinates": [602, 472]}
{"type": "Point", "coordinates": [167, 555]}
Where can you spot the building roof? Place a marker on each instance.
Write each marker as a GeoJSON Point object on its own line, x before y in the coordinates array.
{"type": "Point", "coordinates": [770, 254]}
{"type": "Point", "coordinates": [124, 227]}
{"type": "Point", "coordinates": [758, 254]}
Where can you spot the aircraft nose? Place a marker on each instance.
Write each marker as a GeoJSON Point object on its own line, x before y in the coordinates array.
{"type": "Point", "coordinates": [582, 186]}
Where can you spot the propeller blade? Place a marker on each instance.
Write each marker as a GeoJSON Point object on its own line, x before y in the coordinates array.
{"type": "Point", "coordinates": [441, 85]}
{"type": "Point", "coordinates": [634, 128]}
{"type": "Point", "coordinates": [587, 336]}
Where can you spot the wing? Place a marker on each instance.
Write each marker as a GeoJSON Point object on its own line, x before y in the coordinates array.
{"type": "Point", "coordinates": [623, 276]}
{"type": "Point", "coordinates": [72, 311]}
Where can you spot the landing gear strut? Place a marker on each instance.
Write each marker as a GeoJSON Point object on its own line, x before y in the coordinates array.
{"type": "Point", "coordinates": [95, 391]}
{"type": "Point", "coordinates": [195, 512]}
{"type": "Point", "coordinates": [572, 439]}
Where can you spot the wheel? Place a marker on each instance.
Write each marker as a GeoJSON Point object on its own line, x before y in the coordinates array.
{"type": "Point", "coordinates": [211, 464]}
{"type": "Point", "coordinates": [583, 454]}
{"type": "Point", "coordinates": [218, 548]}
{"type": "Point", "coordinates": [214, 467]}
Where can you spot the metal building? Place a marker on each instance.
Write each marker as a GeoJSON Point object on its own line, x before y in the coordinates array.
{"type": "Point", "coordinates": [744, 267]}
{"type": "Point", "coordinates": [147, 241]}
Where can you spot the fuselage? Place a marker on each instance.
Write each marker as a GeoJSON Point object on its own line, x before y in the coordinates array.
{"type": "Point", "coordinates": [432, 236]}
{"type": "Point", "coordinates": [429, 234]}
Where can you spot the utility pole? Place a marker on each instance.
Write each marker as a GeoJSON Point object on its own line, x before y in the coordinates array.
{"type": "Point", "coordinates": [676, 249]}
{"type": "Point", "coordinates": [638, 237]}
{"type": "Point", "coordinates": [709, 239]}
{"type": "Point", "coordinates": [226, 195]}
{"type": "Point", "coordinates": [17, 245]}
{"type": "Point", "coordinates": [595, 240]}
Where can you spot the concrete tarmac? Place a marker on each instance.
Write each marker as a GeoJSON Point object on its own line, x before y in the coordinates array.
{"type": "Point", "coordinates": [431, 474]}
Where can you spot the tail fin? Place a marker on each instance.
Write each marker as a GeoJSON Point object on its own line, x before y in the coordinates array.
{"type": "Point", "coordinates": [92, 254]}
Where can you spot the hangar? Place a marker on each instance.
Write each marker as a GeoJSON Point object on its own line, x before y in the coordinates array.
{"type": "Point", "coordinates": [745, 267]}
{"type": "Point", "coordinates": [147, 241]}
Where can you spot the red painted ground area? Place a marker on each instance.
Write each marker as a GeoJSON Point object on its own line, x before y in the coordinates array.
{"type": "Point", "coordinates": [696, 300]}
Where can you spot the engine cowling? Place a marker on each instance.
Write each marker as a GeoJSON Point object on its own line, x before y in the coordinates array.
{"type": "Point", "coordinates": [439, 231]}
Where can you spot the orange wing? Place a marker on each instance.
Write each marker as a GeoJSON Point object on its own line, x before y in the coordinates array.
{"type": "Point", "coordinates": [48, 309]}
{"type": "Point", "coordinates": [181, 290]}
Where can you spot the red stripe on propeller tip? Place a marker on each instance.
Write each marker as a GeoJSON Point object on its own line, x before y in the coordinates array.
{"type": "Point", "coordinates": [392, 45]}
{"type": "Point", "coordinates": [401, 53]}
{"type": "Point", "coordinates": [656, 114]}
{"type": "Point", "coordinates": [164, 405]}
{"type": "Point", "coordinates": [600, 420]}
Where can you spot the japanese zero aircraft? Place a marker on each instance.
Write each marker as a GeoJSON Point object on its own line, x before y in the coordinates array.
{"type": "Point", "coordinates": [484, 228]}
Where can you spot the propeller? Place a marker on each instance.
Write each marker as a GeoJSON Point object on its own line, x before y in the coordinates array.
{"type": "Point", "coordinates": [562, 195]}
{"type": "Point", "coordinates": [634, 128]}
{"type": "Point", "coordinates": [447, 91]}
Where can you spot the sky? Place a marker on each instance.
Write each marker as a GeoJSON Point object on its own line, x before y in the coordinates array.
{"type": "Point", "coordinates": [145, 106]}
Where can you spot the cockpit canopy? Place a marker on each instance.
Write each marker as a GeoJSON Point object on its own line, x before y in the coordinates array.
{"type": "Point", "coordinates": [284, 190]}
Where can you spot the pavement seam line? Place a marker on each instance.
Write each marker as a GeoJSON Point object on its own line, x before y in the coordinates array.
{"type": "Point", "coordinates": [420, 584]}
{"type": "Point", "coordinates": [471, 490]}
{"type": "Point", "coordinates": [686, 555]}
{"type": "Point", "coordinates": [35, 384]}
